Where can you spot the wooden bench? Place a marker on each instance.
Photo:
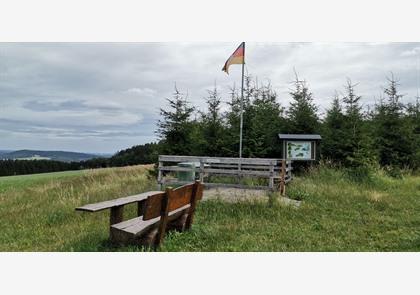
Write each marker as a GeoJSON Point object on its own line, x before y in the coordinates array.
{"type": "Point", "coordinates": [157, 212]}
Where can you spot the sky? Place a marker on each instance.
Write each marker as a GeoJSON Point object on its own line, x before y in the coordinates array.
{"type": "Point", "coordinates": [105, 97]}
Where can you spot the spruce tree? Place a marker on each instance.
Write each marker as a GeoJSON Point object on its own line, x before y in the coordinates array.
{"type": "Point", "coordinates": [413, 123]}
{"type": "Point", "coordinates": [333, 133]}
{"type": "Point", "coordinates": [212, 126]}
{"type": "Point", "coordinates": [175, 127]}
{"type": "Point", "coordinates": [392, 135]}
{"type": "Point", "coordinates": [266, 121]}
{"type": "Point", "coordinates": [302, 112]}
{"type": "Point", "coordinates": [356, 143]}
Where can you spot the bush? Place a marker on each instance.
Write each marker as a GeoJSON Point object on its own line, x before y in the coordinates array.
{"type": "Point", "coordinates": [393, 171]}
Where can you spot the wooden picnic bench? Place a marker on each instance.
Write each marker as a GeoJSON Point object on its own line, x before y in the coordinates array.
{"type": "Point", "coordinates": [157, 212]}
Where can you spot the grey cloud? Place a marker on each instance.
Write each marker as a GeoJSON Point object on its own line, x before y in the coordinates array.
{"type": "Point", "coordinates": [106, 96]}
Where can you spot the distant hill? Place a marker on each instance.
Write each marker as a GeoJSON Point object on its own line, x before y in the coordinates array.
{"type": "Point", "coordinates": [62, 156]}
{"type": "Point", "coordinates": [2, 152]}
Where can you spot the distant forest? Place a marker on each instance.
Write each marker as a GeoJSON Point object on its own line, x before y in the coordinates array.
{"type": "Point", "coordinates": [384, 135]}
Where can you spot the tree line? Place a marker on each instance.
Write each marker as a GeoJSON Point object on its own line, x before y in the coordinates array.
{"type": "Point", "coordinates": [140, 154]}
{"type": "Point", "coordinates": [387, 134]}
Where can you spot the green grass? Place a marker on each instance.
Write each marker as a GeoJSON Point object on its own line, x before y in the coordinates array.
{"type": "Point", "coordinates": [21, 181]}
{"type": "Point", "coordinates": [336, 215]}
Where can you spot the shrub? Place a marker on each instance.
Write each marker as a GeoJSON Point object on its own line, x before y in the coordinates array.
{"type": "Point", "coordinates": [393, 171]}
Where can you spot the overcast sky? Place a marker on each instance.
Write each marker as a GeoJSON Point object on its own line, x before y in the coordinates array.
{"type": "Point", "coordinates": [104, 97]}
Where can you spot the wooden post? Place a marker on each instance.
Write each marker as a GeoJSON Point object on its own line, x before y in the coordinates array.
{"type": "Point", "coordinates": [201, 171]}
{"type": "Point", "coordinates": [160, 175]}
{"type": "Point", "coordinates": [283, 178]}
{"type": "Point", "coordinates": [271, 181]}
{"type": "Point", "coordinates": [163, 217]}
{"type": "Point", "coordinates": [116, 216]}
{"type": "Point", "coordinates": [194, 198]}
{"type": "Point", "coordinates": [140, 208]}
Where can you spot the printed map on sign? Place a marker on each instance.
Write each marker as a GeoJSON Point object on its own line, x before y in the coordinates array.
{"type": "Point", "coordinates": [299, 150]}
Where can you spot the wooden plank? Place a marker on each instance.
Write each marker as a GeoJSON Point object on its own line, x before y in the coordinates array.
{"type": "Point", "coordinates": [138, 226]}
{"type": "Point", "coordinates": [213, 184]}
{"type": "Point", "coordinates": [153, 205]}
{"type": "Point", "coordinates": [116, 202]}
{"type": "Point", "coordinates": [233, 168]}
{"type": "Point", "coordinates": [179, 197]}
{"type": "Point", "coordinates": [176, 168]}
{"type": "Point", "coordinates": [235, 185]}
{"type": "Point", "coordinates": [236, 172]}
{"type": "Point", "coordinates": [221, 160]}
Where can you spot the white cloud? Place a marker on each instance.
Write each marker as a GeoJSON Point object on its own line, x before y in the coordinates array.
{"type": "Point", "coordinates": [147, 92]}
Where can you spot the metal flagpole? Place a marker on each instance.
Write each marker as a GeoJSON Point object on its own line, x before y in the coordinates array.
{"type": "Point", "coordinates": [242, 109]}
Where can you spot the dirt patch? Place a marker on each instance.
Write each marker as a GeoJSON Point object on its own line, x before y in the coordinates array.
{"type": "Point", "coordinates": [235, 194]}
{"type": "Point", "coordinates": [238, 194]}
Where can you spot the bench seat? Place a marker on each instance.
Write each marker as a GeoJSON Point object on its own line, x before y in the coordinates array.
{"type": "Point", "coordinates": [139, 231]}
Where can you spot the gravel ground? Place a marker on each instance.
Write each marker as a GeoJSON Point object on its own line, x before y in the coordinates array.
{"type": "Point", "coordinates": [235, 194]}
{"type": "Point", "coordinates": [238, 194]}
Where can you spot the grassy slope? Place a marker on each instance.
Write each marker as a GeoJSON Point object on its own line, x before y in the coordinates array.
{"type": "Point", "coordinates": [337, 215]}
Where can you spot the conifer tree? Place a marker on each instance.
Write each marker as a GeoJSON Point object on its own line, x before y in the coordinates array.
{"type": "Point", "coordinates": [356, 143]}
{"type": "Point", "coordinates": [266, 121]}
{"type": "Point", "coordinates": [333, 133]}
{"type": "Point", "coordinates": [213, 129]}
{"type": "Point", "coordinates": [392, 136]}
{"type": "Point", "coordinates": [302, 112]}
{"type": "Point", "coordinates": [174, 129]}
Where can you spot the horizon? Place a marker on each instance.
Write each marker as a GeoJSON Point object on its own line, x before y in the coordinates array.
{"type": "Point", "coordinates": [105, 97]}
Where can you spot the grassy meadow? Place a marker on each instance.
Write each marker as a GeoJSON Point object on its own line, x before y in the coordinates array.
{"type": "Point", "coordinates": [37, 214]}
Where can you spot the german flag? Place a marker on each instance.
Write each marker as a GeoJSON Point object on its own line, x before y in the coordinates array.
{"type": "Point", "coordinates": [237, 57]}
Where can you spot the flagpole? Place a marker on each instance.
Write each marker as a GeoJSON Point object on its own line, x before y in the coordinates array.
{"type": "Point", "coordinates": [242, 109]}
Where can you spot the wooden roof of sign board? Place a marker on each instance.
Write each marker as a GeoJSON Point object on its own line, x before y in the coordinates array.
{"type": "Point", "coordinates": [300, 136]}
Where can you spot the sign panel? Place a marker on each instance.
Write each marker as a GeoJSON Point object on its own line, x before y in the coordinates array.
{"type": "Point", "coordinates": [299, 150]}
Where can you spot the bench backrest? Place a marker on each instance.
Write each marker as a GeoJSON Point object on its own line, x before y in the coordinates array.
{"type": "Point", "coordinates": [175, 199]}
{"type": "Point", "coordinates": [172, 199]}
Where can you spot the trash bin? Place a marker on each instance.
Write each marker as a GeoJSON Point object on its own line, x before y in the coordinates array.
{"type": "Point", "coordinates": [187, 175]}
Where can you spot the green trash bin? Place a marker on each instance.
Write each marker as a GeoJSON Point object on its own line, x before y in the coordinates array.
{"type": "Point", "coordinates": [187, 175]}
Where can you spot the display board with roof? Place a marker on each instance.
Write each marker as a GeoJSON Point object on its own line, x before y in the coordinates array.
{"type": "Point", "coordinates": [300, 147]}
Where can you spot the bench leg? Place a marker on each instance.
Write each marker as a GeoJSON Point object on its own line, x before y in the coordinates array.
{"type": "Point", "coordinates": [115, 217]}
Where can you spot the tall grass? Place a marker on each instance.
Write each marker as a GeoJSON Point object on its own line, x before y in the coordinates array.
{"type": "Point", "coordinates": [40, 216]}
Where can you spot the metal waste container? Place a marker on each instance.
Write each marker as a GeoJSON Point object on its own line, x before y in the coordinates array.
{"type": "Point", "coordinates": [188, 175]}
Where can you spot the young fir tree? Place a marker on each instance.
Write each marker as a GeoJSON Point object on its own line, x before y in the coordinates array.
{"type": "Point", "coordinates": [413, 122]}
{"type": "Point", "coordinates": [302, 112]}
{"type": "Point", "coordinates": [266, 121]}
{"type": "Point", "coordinates": [175, 127]}
{"type": "Point", "coordinates": [333, 133]}
{"type": "Point", "coordinates": [212, 126]}
{"type": "Point", "coordinates": [355, 142]}
{"type": "Point", "coordinates": [392, 135]}
{"type": "Point", "coordinates": [232, 116]}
